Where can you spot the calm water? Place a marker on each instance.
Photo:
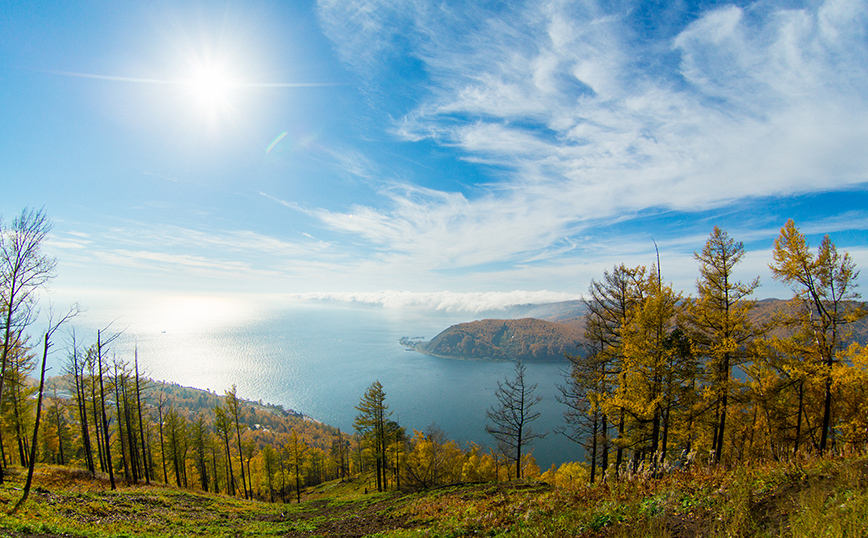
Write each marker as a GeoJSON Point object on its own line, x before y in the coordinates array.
{"type": "Point", "coordinates": [318, 359]}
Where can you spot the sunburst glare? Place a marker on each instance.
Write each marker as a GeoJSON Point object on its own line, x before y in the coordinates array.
{"type": "Point", "coordinates": [212, 88]}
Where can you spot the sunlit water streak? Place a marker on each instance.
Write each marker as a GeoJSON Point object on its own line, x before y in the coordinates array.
{"type": "Point", "coordinates": [319, 359]}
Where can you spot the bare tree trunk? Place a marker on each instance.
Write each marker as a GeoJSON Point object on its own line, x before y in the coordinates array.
{"type": "Point", "coordinates": [78, 374]}
{"type": "Point", "coordinates": [162, 439]}
{"type": "Point", "coordinates": [45, 346]}
{"type": "Point", "coordinates": [108, 452]}
{"type": "Point", "coordinates": [799, 418]}
{"type": "Point", "coordinates": [97, 423]}
{"type": "Point", "coordinates": [141, 425]}
{"type": "Point", "coordinates": [32, 464]}
{"type": "Point", "coordinates": [121, 439]}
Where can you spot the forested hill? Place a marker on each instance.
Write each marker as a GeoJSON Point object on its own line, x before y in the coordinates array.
{"type": "Point", "coordinates": [560, 331]}
{"type": "Point", "coordinates": [525, 339]}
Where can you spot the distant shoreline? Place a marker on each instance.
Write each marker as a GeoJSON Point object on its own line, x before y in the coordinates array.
{"type": "Point", "coordinates": [423, 351]}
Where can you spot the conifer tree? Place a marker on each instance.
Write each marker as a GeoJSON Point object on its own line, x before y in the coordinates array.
{"type": "Point", "coordinates": [297, 451]}
{"type": "Point", "coordinates": [823, 291]}
{"type": "Point", "coordinates": [371, 423]}
{"type": "Point", "coordinates": [647, 390]}
{"type": "Point", "coordinates": [200, 437]}
{"type": "Point", "coordinates": [233, 406]}
{"type": "Point", "coordinates": [269, 463]}
{"type": "Point", "coordinates": [611, 305]}
{"type": "Point", "coordinates": [223, 426]}
{"type": "Point", "coordinates": [719, 323]}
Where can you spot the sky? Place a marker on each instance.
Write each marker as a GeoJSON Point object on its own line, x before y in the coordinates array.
{"type": "Point", "coordinates": [447, 154]}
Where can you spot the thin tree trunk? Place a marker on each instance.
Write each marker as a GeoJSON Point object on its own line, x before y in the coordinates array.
{"type": "Point", "coordinates": [723, 403]}
{"type": "Point", "coordinates": [32, 464]}
{"type": "Point", "coordinates": [162, 440]}
{"type": "Point", "coordinates": [108, 452]}
{"type": "Point", "coordinates": [799, 418]}
{"type": "Point", "coordinates": [59, 426]}
{"type": "Point", "coordinates": [97, 423]}
{"type": "Point", "coordinates": [141, 424]}
{"type": "Point", "coordinates": [82, 410]}
{"type": "Point", "coordinates": [594, 449]}
{"type": "Point", "coordinates": [827, 412]}
{"type": "Point", "coordinates": [121, 439]}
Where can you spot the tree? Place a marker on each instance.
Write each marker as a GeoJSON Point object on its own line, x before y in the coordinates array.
{"type": "Point", "coordinates": [52, 327]}
{"type": "Point", "coordinates": [161, 402]}
{"type": "Point", "coordinates": [649, 383]}
{"type": "Point", "coordinates": [434, 459]}
{"type": "Point", "coordinates": [223, 427]}
{"type": "Point", "coordinates": [23, 270]}
{"type": "Point", "coordinates": [371, 424]}
{"type": "Point", "coordinates": [77, 367]}
{"type": "Point", "coordinates": [297, 451]}
{"type": "Point", "coordinates": [719, 322]}
{"type": "Point", "coordinates": [339, 455]}
{"type": "Point", "coordinates": [201, 438]}
{"type": "Point", "coordinates": [233, 405]}
{"type": "Point", "coordinates": [585, 421]}
{"type": "Point", "coordinates": [611, 305]}
{"type": "Point", "coordinates": [823, 291]}
{"type": "Point", "coordinates": [147, 467]}
{"type": "Point", "coordinates": [269, 461]}
{"type": "Point", "coordinates": [100, 350]}
{"type": "Point", "coordinates": [509, 420]}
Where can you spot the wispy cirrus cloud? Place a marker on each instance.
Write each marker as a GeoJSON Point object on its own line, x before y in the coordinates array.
{"type": "Point", "coordinates": [594, 122]}
{"type": "Point", "coordinates": [175, 256]}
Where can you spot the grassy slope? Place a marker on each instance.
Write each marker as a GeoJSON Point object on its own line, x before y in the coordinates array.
{"type": "Point", "coordinates": [823, 497]}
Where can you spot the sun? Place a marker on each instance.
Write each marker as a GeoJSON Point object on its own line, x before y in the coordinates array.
{"type": "Point", "coordinates": [211, 87]}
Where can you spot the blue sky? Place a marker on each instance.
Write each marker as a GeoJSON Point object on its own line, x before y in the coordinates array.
{"type": "Point", "coordinates": [438, 153]}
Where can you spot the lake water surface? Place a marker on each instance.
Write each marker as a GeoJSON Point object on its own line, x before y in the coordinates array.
{"type": "Point", "coordinates": [318, 359]}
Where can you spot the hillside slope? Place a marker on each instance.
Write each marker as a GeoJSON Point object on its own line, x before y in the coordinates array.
{"type": "Point", "coordinates": [807, 498]}
{"type": "Point", "coordinates": [525, 339]}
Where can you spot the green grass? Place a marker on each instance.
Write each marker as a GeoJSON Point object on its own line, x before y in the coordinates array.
{"type": "Point", "coordinates": [823, 497]}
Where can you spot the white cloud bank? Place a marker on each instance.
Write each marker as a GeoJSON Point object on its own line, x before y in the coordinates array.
{"type": "Point", "coordinates": [445, 301]}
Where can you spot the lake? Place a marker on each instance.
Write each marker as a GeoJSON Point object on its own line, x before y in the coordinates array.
{"type": "Point", "coordinates": [318, 359]}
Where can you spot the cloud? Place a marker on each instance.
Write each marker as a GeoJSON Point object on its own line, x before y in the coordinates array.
{"type": "Point", "coordinates": [592, 125]}
{"type": "Point", "coordinates": [445, 301]}
{"type": "Point", "coordinates": [174, 256]}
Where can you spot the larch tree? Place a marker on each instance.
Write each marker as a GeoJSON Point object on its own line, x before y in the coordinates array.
{"type": "Point", "coordinates": [46, 345]}
{"type": "Point", "coordinates": [233, 405]}
{"type": "Point", "coordinates": [142, 433]}
{"type": "Point", "coordinates": [823, 294]}
{"type": "Point", "coordinates": [201, 439]}
{"type": "Point", "coordinates": [585, 422]}
{"type": "Point", "coordinates": [269, 463]}
{"type": "Point", "coordinates": [611, 304]}
{"type": "Point", "coordinates": [647, 388]}
{"type": "Point", "coordinates": [297, 451]}
{"type": "Point", "coordinates": [101, 349]}
{"type": "Point", "coordinates": [23, 270]}
{"type": "Point", "coordinates": [719, 323]}
{"type": "Point", "coordinates": [371, 424]}
{"type": "Point", "coordinates": [509, 421]}
{"type": "Point", "coordinates": [223, 427]}
{"type": "Point", "coordinates": [161, 422]}
{"type": "Point", "coordinates": [340, 454]}
{"type": "Point", "coordinates": [76, 365]}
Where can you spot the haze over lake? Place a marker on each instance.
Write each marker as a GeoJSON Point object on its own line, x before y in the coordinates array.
{"type": "Point", "coordinates": [318, 358]}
